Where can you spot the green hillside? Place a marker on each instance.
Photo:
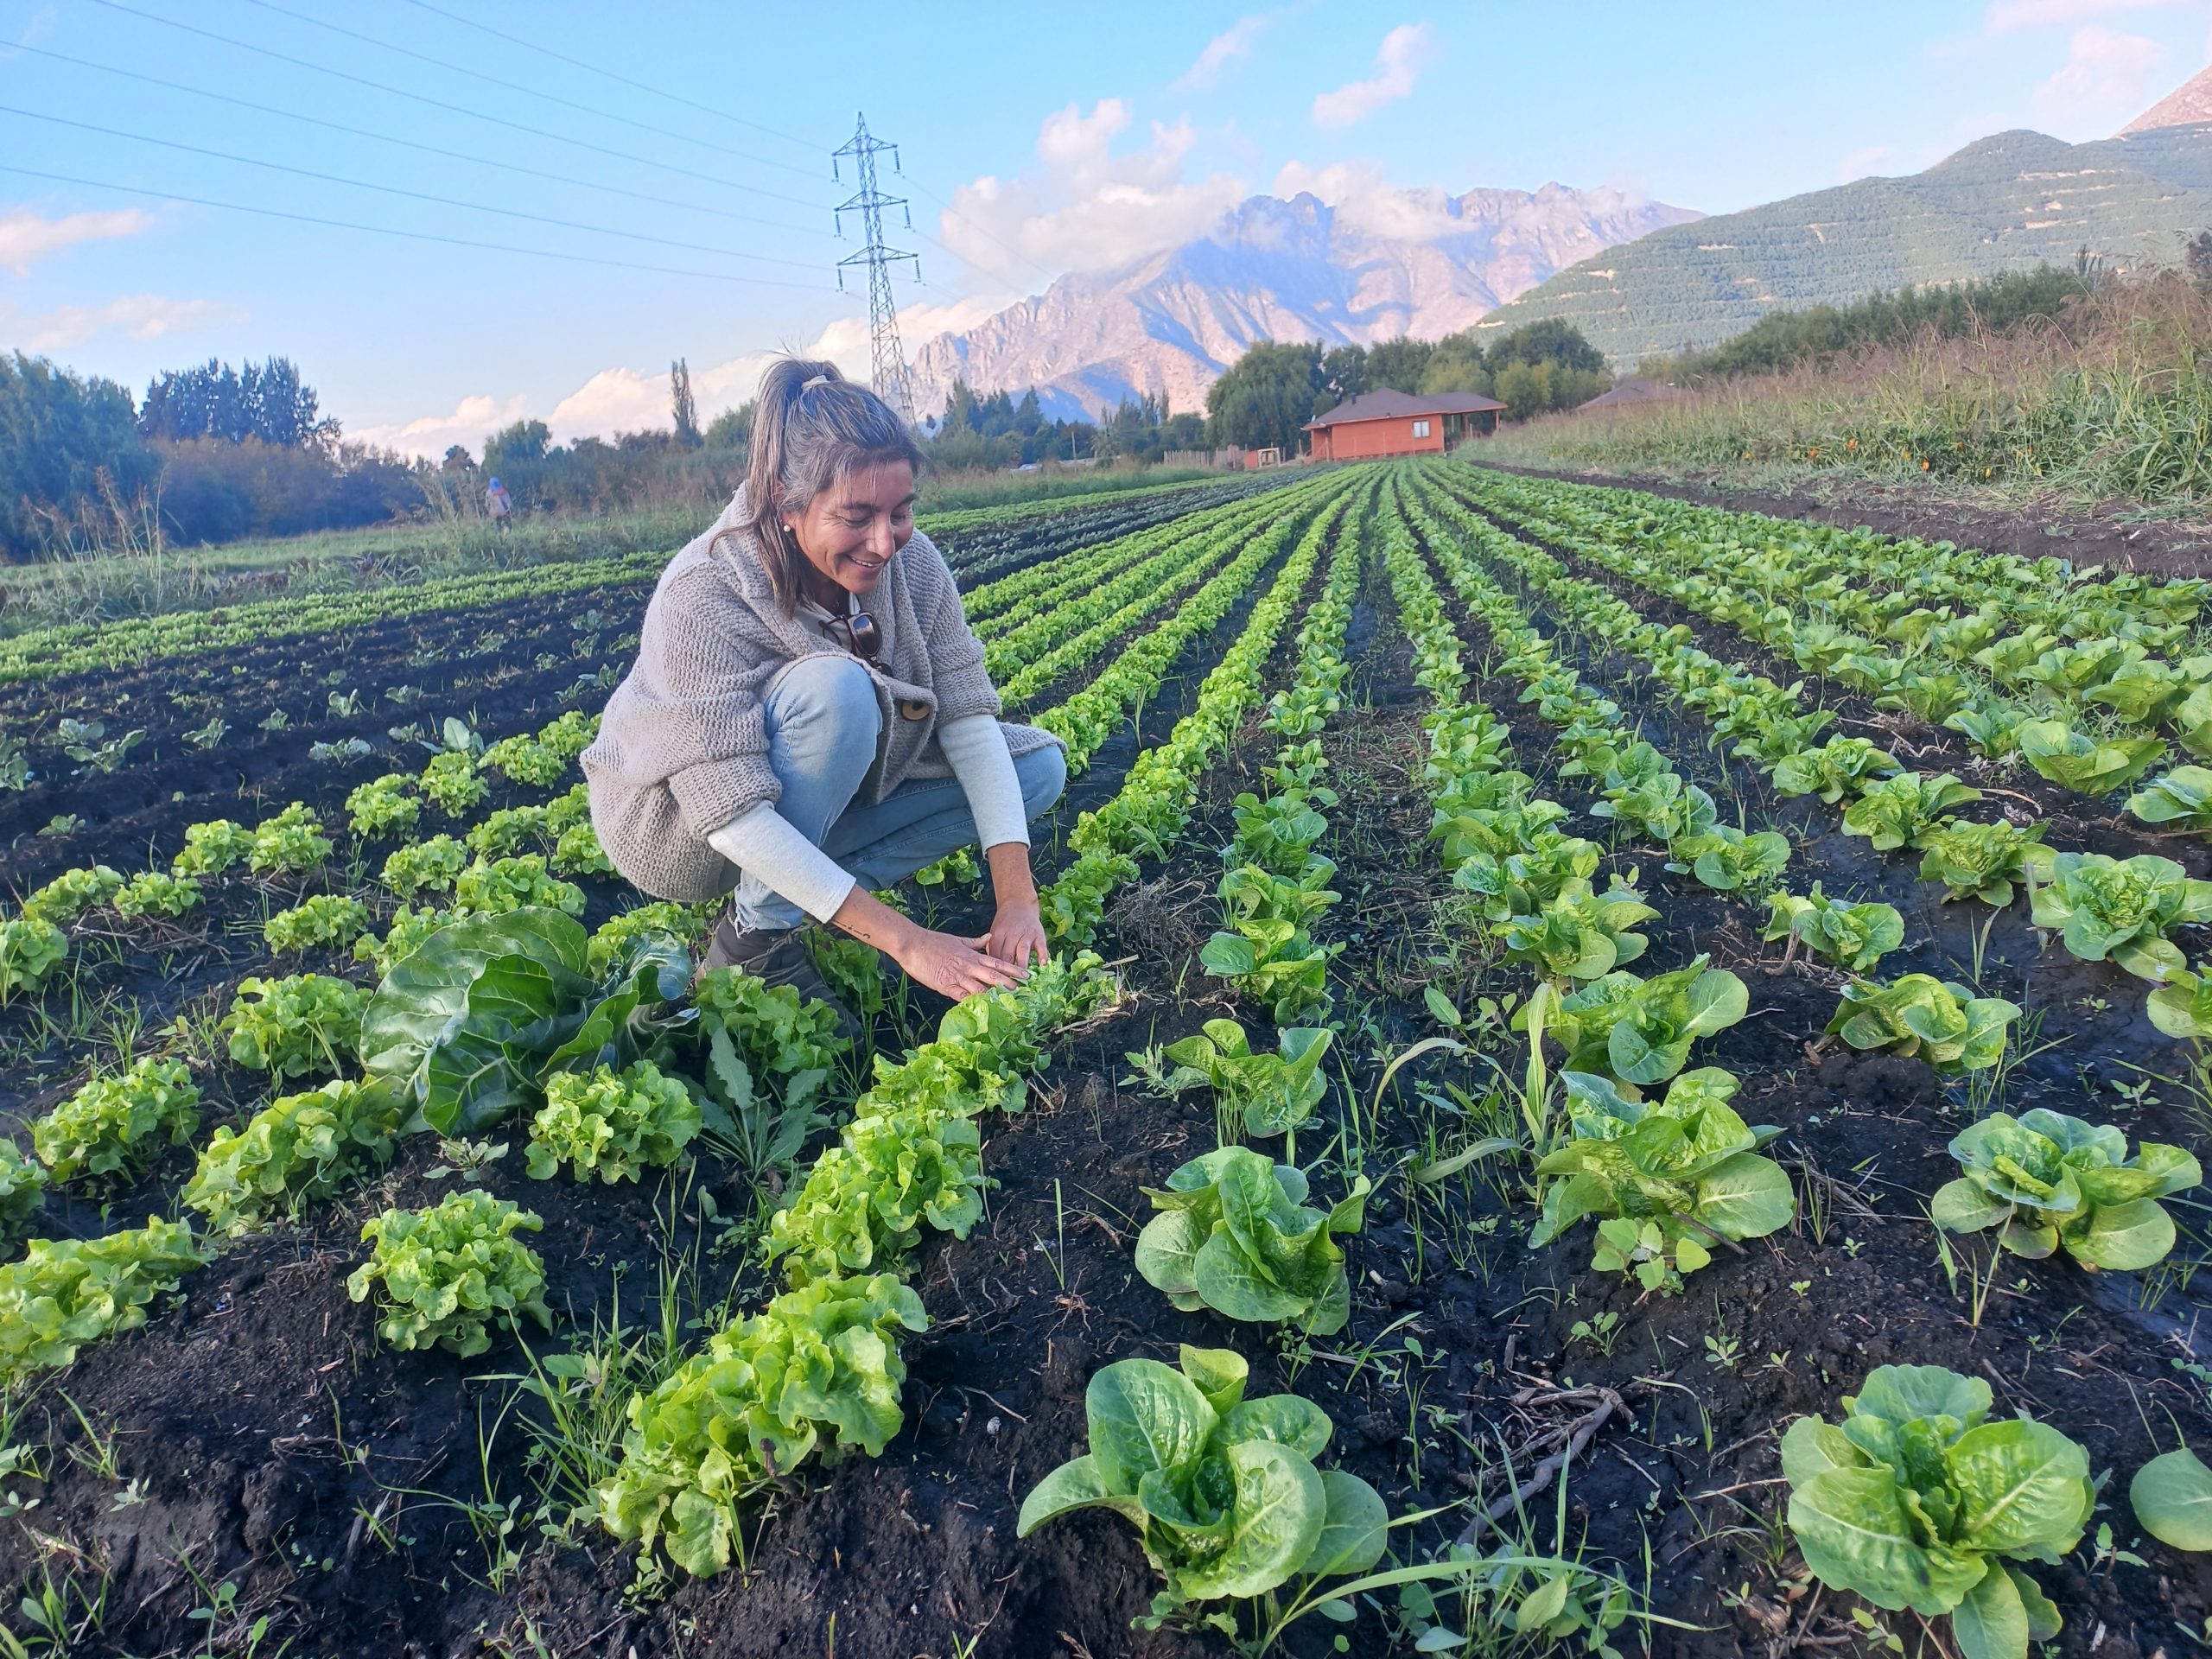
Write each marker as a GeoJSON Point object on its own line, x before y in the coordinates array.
{"type": "Point", "coordinates": [2006, 203]}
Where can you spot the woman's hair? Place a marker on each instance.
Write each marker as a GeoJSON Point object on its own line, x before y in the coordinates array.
{"type": "Point", "coordinates": [812, 429]}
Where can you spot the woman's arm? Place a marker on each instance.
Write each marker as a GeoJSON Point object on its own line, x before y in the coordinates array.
{"type": "Point", "coordinates": [976, 748]}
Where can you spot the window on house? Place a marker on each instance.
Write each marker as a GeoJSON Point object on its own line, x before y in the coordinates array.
{"type": "Point", "coordinates": [1420, 428]}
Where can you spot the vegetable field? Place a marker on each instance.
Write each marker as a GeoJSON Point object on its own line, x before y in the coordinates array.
{"type": "Point", "coordinates": [1619, 1076]}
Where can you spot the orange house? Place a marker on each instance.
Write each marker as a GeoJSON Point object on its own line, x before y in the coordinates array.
{"type": "Point", "coordinates": [1400, 424]}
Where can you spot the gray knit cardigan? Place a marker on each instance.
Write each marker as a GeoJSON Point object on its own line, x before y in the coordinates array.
{"type": "Point", "coordinates": [684, 746]}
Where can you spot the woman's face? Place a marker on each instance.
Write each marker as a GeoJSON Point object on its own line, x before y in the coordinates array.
{"type": "Point", "coordinates": [850, 531]}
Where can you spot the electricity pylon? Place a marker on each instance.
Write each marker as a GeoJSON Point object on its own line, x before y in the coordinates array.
{"type": "Point", "coordinates": [893, 383]}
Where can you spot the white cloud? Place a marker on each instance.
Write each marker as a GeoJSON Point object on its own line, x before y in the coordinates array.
{"type": "Point", "coordinates": [1086, 207]}
{"type": "Point", "coordinates": [1232, 46]}
{"type": "Point", "coordinates": [2105, 74]}
{"type": "Point", "coordinates": [2004, 17]}
{"type": "Point", "coordinates": [142, 316]}
{"type": "Point", "coordinates": [1863, 163]}
{"type": "Point", "coordinates": [1405, 52]}
{"type": "Point", "coordinates": [474, 419]}
{"type": "Point", "coordinates": [26, 235]}
{"type": "Point", "coordinates": [1366, 200]}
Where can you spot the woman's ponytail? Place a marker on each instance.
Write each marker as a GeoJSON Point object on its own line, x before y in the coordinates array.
{"type": "Point", "coordinates": [812, 428]}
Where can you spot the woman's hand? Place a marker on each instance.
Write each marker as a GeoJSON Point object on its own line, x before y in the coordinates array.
{"type": "Point", "coordinates": [954, 967]}
{"type": "Point", "coordinates": [1017, 934]}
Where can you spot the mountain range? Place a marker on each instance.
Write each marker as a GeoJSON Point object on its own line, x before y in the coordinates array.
{"type": "Point", "coordinates": [1637, 277]}
{"type": "Point", "coordinates": [1407, 263]}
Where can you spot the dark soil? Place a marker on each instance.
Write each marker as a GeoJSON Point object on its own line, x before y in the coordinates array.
{"type": "Point", "coordinates": [2108, 537]}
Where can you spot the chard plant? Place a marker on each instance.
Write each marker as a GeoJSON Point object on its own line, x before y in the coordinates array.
{"type": "Point", "coordinates": [1235, 1235]}
{"type": "Point", "coordinates": [66, 1293]}
{"type": "Point", "coordinates": [1223, 1491]}
{"type": "Point", "coordinates": [2118, 908]}
{"type": "Point", "coordinates": [1640, 1030]}
{"type": "Point", "coordinates": [2048, 1181]}
{"type": "Point", "coordinates": [611, 1124]}
{"type": "Point", "coordinates": [113, 1126]}
{"type": "Point", "coordinates": [1920, 1016]}
{"type": "Point", "coordinates": [1917, 1501]}
{"type": "Point", "coordinates": [814, 1373]}
{"type": "Point", "coordinates": [307, 1024]}
{"type": "Point", "coordinates": [445, 1275]}
{"type": "Point", "coordinates": [1979, 860]}
{"type": "Point", "coordinates": [1853, 936]}
{"type": "Point", "coordinates": [298, 1148]}
{"type": "Point", "coordinates": [1670, 1181]}
{"type": "Point", "coordinates": [1257, 1093]}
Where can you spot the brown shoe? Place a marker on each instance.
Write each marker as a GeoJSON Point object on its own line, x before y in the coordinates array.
{"type": "Point", "coordinates": [778, 956]}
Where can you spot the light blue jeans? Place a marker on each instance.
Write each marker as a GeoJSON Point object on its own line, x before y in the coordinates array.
{"type": "Point", "coordinates": [823, 723]}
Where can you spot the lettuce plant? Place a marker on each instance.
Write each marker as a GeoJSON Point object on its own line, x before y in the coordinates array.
{"type": "Point", "coordinates": [863, 1203]}
{"type": "Point", "coordinates": [476, 1015]}
{"type": "Point", "coordinates": [113, 1125]}
{"type": "Point", "coordinates": [518, 883]}
{"type": "Point", "coordinates": [31, 948]}
{"type": "Point", "coordinates": [526, 760]}
{"type": "Point", "coordinates": [325, 919]}
{"type": "Point", "coordinates": [65, 1292]}
{"type": "Point", "coordinates": [383, 806]}
{"type": "Point", "coordinates": [577, 851]}
{"type": "Point", "coordinates": [1917, 1500]}
{"type": "Point", "coordinates": [425, 866]}
{"type": "Point", "coordinates": [212, 847]}
{"type": "Point", "coordinates": [2090, 766]}
{"type": "Point", "coordinates": [507, 830]}
{"type": "Point", "coordinates": [293, 840]}
{"type": "Point", "coordinates": [2120, 908]}
{"type": "Point", "coordinates": [444, 1275]}
{"type": "Point", "coordinates": [612, 939]}
{"type": "Point", "coordinates": [73, 893]}
{"type": "Point", "coordinates": [611, 1124]}
{"type": "Point", "coordinates": [1581, 934]}
{"type": "Point", "coordinates": [1854, 937]}
{"type": "Point", "coordinates": [783, 1040]}
{"type": "Point", "coordinates": [23, 1191]}
{"type": "Point", "coordinates": [2181, 1006]}
{"type": "Point", "coordinates": [1528, 867]}
{"type": "Point", "coordinates": [1262, 1093]}
{"type": "Point", "coordinates": [1943, 1023]}
{"type": "Point", "coordinates": [1235, 1235]}
{"type": "Point", "coordinates": [2182, 798]}
{"type": "Point", "coordinates": [1979, 860]}
{"type": "Point", "coordinates": [1221, 1490]}
{"type": "Point", "coordinates": [452, 781]}
{"type": "Point", "coordinates": [297, 1149]}
{"type": "Point", "coordinates": [1669, 1179]}
{"type": "Point", "coordinates": [407, 929]}
{"type": "Point", "coordinates": [1727, 859]}
{"type": "Point", "coordinates": [1640, 1030]}
{"type": "Point", "coordinates": [817, 1371]}
{"type": "Point", "coordinates": [152, 894]}
{"type": "Point", "coordinates": [294, 1027]}
{"type": "Point", "coordinates": [2049, 1180]}
{"type": "Point", "coordinates": [1902, 810]}
{"type": "Point", "coordinates": [1842, 766]}
{"type": "Point", "coordinates": [1278, 833]}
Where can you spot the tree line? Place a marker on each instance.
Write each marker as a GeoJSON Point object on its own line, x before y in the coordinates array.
{"type": "Point", "coordinates": [1270, 393]}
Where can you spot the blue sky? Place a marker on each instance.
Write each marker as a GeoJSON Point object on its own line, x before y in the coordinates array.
{"type": "Point", "coordinates": [1035, 140]}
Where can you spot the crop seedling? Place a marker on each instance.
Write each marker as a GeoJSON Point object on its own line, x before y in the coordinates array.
{"type": "Point", "coordinates": [444, 1275]}
{"type": "Point", "coordinates": [2047, 1181]}
{"type": "Point", "coordinates": [212, 847]}
{"type": "Point", "coordinates": [1979, 860]}
{"type": "Point", "coordinates": [1223, 1491]}
{"type": "Point", "coordinates": [1235, 1235]}
{"type": "Point", "coordinates": [426, 866]}
{"type": "Point", "coordinates": [383, 806]}
{"type": "Point", "coordinates": [150, 893]}
{"type": "Point", "coordinates": [73, 893]}
{"type": "Point", "coordinates": [1639, 1030]}
{"type": "Point", "coordinates": [516, 883]}
{"type": "Point", "coordinates": [31, 948]}
{"type": "Point", "coordinates": [452, 783]}
{"type": "Point", "coordinates": [1917, 1501]}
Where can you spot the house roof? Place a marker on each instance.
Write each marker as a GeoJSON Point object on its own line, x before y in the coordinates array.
{"type": "Point", "coordinates": [1390, 405]}
{"type": "Point", "coordinates": [1634, 390]}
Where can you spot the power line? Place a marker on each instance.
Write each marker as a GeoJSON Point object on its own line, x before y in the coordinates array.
{"type": "Point", "coordinates": [426, 150]}
{"type": "Point", "coordinates": [411, 195]}
{"type": "Point", "coordinates": [412, 236]}
{"type": "Point", "coordinates": [532, 91]}
{"type": "Point", "coordinates": [597, 69]}
{"type": "Point", "coordinates": [455, 109]}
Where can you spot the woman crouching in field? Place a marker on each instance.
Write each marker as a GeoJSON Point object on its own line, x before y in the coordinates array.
{"type": "Point", "coordinates": [808, 719]}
